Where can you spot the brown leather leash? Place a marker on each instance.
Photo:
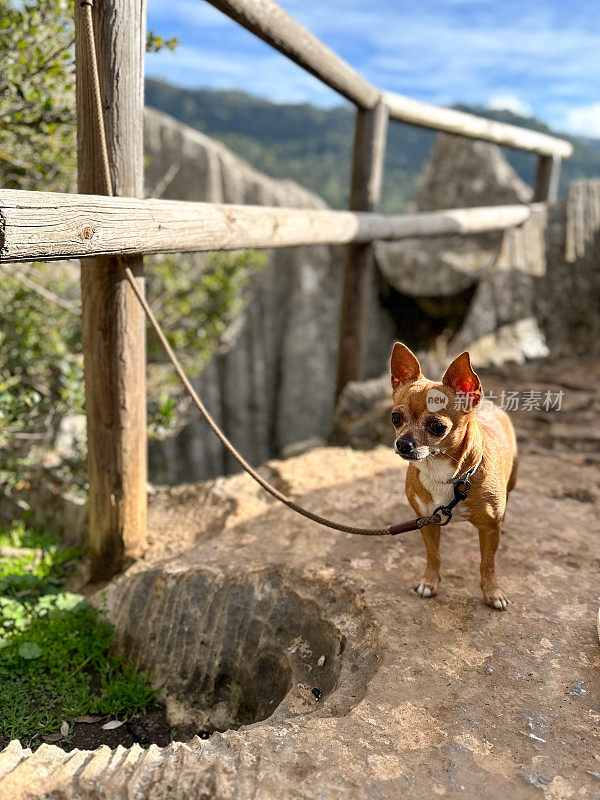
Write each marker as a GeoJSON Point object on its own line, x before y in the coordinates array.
{"type": "Point", "coordinates": [461, 485]}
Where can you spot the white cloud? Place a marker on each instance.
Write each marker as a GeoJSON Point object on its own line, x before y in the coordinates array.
{"type": "Point", "coordinates": [584, 120]}
{"type": "Point", "coordinates": [510, 102]}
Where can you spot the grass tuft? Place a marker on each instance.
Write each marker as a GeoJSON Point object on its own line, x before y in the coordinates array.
{"type": "Point", "coordinates": [56, 657]}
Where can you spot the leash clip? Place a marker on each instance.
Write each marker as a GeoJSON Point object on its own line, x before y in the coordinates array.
{"type": "Point", "coordinates": [461, 490]}
{"type": "Point", "coordinates": [446, 511]}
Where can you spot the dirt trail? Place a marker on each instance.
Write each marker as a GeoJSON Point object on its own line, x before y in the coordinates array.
{"type": "Point", "coordinates": [466, 702]}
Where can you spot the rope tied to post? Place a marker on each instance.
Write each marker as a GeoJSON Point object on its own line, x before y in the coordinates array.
{"type": "Point", "coordinates": [411, 525]}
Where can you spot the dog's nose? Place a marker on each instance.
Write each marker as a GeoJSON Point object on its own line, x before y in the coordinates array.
{"type": "Point", "coordinates": [404, 446]}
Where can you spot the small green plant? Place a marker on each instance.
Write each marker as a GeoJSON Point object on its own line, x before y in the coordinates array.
{"type": "Point", "coordinates": [43, 564]}
{"type": "Point", "coordinates": [196, 301]}
{"type": "Point", "coordinates": [162, 416]}
{"type": "Point", "coordinates": [56, 655]}
{"type": "Point", "coordinates": [154, 43]}
{"type": "Point", "coordinates": [41, 371]}
{"type": "Point", "coordinates": [41, 366]}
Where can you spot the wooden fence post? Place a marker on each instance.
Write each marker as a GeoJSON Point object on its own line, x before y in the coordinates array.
{"type": "Point", "coordinates": [367, 171]}
{"type": "Point", "coordinates": [113, 323]}
{"type": "Point", "coordinates": [546, 179]}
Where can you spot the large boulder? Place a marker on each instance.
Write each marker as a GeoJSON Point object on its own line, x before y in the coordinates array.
{"type": "Point", "coordinates": [461, 173]}
{"type": "Point", "coordinates": [490, 277]}
{"type": "Point", "coordinates": [458, 174]}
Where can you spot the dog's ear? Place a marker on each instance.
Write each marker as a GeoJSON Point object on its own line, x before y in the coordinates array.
{"type": "Point", "coordinates": [464, 381]}
{"type": "Point", "coordinates": [404, 365]}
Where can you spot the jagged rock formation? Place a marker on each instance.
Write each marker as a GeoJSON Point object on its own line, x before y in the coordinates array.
{"type": "Point", "coordinates": [440, 697]}
{"type": "Point", "coordinates": [543, 295]}
{"type": "Point", "coordinates": [272, 384]}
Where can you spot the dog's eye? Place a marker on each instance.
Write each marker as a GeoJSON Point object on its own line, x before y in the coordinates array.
{"type": "Point", "coordinates": [436, 427]}
{"type": "Point", "coordinates": [397, 419]}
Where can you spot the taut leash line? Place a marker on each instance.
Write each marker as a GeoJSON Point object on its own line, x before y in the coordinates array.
{"type": "Point", "coordinates": [232, 449]}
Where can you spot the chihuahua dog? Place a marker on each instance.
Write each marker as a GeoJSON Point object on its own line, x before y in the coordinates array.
{"type": "Point", "coordinates": [446, 435]}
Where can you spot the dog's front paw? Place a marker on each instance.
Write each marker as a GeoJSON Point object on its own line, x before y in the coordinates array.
{"type": "Point", "coordinates": [495, 598]}
{"type": "Point", "coordinates": [427, 587]}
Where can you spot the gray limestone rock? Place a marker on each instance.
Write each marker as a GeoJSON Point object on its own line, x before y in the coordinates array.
{"type": "Point", "coordinates": [272, 382]}
{"type": "Point", "coordinates": [459, 173]}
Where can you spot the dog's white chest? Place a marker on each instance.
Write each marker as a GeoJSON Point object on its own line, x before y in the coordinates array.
{"type": "Point", "coordinates": [435, 476]}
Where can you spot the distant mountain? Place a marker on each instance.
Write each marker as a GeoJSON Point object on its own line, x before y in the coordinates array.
{"type": "Point", "coordinates": [313, 146]}
{"type": "Point", "coordinates": [593, 144]}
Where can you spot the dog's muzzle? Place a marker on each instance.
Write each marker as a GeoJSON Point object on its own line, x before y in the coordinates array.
{"type": "Point", "coordinates": [408, 449]}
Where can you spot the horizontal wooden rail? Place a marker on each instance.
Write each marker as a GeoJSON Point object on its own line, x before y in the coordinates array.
{"type": "Point", "coordinates": [46, 226]}
{"type": "Point", "coordinates": [270, 22]}
{"type": "Point", "coordinates": [403, 109]}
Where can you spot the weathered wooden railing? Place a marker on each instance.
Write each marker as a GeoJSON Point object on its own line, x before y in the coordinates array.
{"type": "Point", "coordinates": [45, 226]}
{"type": "Point", "coordinates": [48, 226]}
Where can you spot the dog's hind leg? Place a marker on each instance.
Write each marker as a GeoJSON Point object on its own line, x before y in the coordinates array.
{"type": "Point", "coordinates": [489, 538]}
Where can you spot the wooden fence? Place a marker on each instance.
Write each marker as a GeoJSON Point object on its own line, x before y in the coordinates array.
{"type": "Point", "coordinates": [49, 226]}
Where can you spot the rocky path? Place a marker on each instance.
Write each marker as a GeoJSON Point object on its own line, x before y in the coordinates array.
{"type": "Point", "coordinates": [464, 702]}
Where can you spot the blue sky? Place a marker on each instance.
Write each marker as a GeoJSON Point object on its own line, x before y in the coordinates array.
{"type": "Point", "coordinates": [538, 57]}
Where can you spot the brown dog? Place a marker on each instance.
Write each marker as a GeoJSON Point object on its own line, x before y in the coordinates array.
{"type": "Point", "coordinates": [445, 433]}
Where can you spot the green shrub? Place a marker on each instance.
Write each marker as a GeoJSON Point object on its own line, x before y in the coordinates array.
{"type": "Point", "coordinates": [56, 651]}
